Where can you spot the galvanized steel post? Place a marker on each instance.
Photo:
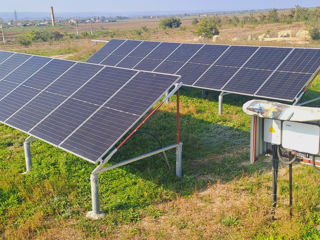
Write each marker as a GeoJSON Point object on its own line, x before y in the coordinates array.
{"type": "Point", "coordinates": [27, 154]}
{"type": "Point", "coordinates": [95, 213]}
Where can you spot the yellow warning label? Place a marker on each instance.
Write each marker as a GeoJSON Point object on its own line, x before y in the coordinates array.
{"type": "Point", "coordinates": [272, 130]}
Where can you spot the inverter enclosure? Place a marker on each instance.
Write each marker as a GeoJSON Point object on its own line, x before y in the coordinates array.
{"type": "Point", "coordinates": [301, 137]}
{"type": "Point", "coordinates": [272, 131]}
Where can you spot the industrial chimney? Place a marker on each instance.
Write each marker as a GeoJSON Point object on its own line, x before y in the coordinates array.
{"type": "Point", "coordinates": [52, 17]}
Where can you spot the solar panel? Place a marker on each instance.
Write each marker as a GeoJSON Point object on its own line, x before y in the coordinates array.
{"type": "Point", "coordinates": [121, 52]}
{"type": "Point", "coordinates": [119, 114]}
{"type": "Point", "coordinates": [105, 50]}
{"type": "Point", "coordinates": [16, 99]}
{"type": "Point", "coordinates": [75, 77]}
{"type": "Point", "coordinates": [216, 77]}
{"type": "Point", "coordinates": [138, 54]}
{"type": "Point", "coordinates": [268, 58]}
{"type": "Point", "coordinates": [48, 74]}
{"type": "Point", "coordinates": [178, 58]}
{"type": "Point", "coordinates": [58, 125]}
{"type": "Point", "coordinates": [12, 63]}
{"type": "Point", "coordinates": [144, 82]}
{"type": "Point", "coordinates": [6, 87]}
{"type": "Point", "coordinates": [54, 100]}
{"type": "Point", "coordinates": [34, 111]}
{"type": "Point", "coordinates": [157, 56]}
{"type": "Point", "coordinates": [4, 56]}
{"type": "Point", "coordinates": [236, 56]}
{"type": "Point", "coordinates": [284, 85]}
{"type": "Point", "coordinates": [27, 69]}
{"type": "Point", "coordinates": [104, 85]}
{"type": "Point", "coordinates": [203, 66]}
{"type": "Point", "coordinates": [302, 60]}
{"type": "Point", "coordinates": [247, 81]}
{"type": "Point", "coordinates": [99, 133]}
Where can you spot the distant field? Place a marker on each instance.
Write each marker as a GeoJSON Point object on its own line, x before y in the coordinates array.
{"type": "Point", "coordinates": [221, 195]}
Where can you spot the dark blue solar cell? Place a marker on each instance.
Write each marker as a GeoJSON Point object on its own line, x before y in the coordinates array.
{"type": "Point", "coordinates": [236, 56]}
{"type": "Point", "coordinates": [27, 69]}
{"type": "Point", "coordinates": [74, 78]}
{"type": "Point", "coordinates": [100, 133]}
{"type": "Point", "coordinates": [302, 60]}
{"type": "Point", "coordinates": [35, 111]}
{"type": "Point", "coordinates": [63, 121]}
{"type": "Point", "coordinates": [48, 74]}
{"type": "Point", "coordinates": [208, 54]}
{"type": "Point", "coordinates": [112, 60]}
{"type": "Point", "coordinates": [104, 85]}
{"type": "Point", "coordinates": [4, 56]}
{"type": "Point", "coordinates": [191, 72]}
{"type": "Point", "coordinates": [216, 77]}
{"type": "Point", "coordinates": [121, 52]}
{"type": "Point", "coordinates": [144, 49]}
{"type": "Point", "coordinates": [12, 63]}
{"type": "Point", "coordinates": [184, 52]}
{"type": "Point", "coordinates": [15, 100]}
{"type": "Point", "coordinates": [129, 62]}
{"type": "Point", "coordinates": [268, 58]}
{"type": "Point", "coordinates": [247, 81]}
{"type": "Point", "coordinates": [141, 92]}
{"type": "Point", "coordinates": [126, 48]}
{"type": "Point", "coordinates": [138, 54]}
{"type": "Point", "coordinates": [163, 50]}
{"type": "Point", "coordinates": [169, 67]}
{"type": "Point", "coordinates": [107, 49]}
{"type": "Point", "coordinates": [148, 64]}
{"type": "Point", "coordinates": [284, 85]}
{"type": "Point", "coordinates": [6, 87]}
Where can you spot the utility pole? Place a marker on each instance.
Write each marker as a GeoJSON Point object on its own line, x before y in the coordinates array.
{"type": "Point", "coordinates": [77, 29]}
{"type": "Point", "coordinates": [3, 38]}
{"type": "Point", "coordinates": [15, 16]}
{"type": "Point", "coordinates": [91, 31]}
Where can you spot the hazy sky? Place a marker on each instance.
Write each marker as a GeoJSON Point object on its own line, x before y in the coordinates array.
{"type": "Point", "coordinates": [147, 5]}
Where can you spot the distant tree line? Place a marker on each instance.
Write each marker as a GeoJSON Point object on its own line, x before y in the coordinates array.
{"type": "Point", "coordinates": [310, 16]}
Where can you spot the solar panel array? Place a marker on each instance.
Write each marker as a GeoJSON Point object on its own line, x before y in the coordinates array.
{"type": "Point", "coordinates": [268, 72]}
{"type": "Point", "coordinates": [82, 108]}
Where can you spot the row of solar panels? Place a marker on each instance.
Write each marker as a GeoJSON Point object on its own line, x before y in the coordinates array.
{"type": "Point", "coordinates": [82, 108]}
{"type": "Point", "coordinates": [268, 72]}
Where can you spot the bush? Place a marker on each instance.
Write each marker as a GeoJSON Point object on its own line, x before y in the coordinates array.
{"type": "Point", "coordinates": [195, 21]}
{"type": "Point", "coordinates": [315, 34]}
{"type": "Point", "coordinates": [170, 23]}
{"type": "Point", "coordinates": [43, 35]}
{"type": "Point", "coordinates": [207, 28]}
{"type": "Point", "coordinates": [24, 41]}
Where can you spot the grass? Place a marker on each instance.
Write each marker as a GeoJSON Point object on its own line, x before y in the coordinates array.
{"type": "Point", "coordinates": [220, 196]}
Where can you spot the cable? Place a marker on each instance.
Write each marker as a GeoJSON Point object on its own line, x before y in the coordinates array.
{"type": "Point", "coordinates": [284, 161]}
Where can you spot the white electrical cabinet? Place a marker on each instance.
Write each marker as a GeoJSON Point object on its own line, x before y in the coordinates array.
{"type": "Point", "coordinates": [272, 131]}
{"type": "Point", "coordinates": [301, 137]}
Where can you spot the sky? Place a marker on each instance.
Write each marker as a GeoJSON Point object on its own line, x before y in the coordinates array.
{"type": "Point", "coordinates": [112, 6]}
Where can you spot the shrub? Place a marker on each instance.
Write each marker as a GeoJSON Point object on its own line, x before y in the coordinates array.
{"type": "Point", "coordinates": [195, 21]}
{"type": "Point", "coordinates": [315, 34]}
{"type": "Point", "coordinates": [207, 28]}
{"type": "Point", "coordinates": [170, 23]}
{"type": "Point", "coordinates": [24, 41]}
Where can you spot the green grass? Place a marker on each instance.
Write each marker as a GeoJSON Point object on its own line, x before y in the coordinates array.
{"type": "Point", "coordinates": [56, 194]}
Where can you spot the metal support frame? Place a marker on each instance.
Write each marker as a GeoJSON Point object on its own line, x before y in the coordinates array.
{"type": "Point", "coordinates": [27, 153]}
{"type": "Point", "coordinates": [275, 168]}
{"type": "Point", "coordinates": [221, 102]}
{"type": "Point", "coordinates": [94, 177]}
